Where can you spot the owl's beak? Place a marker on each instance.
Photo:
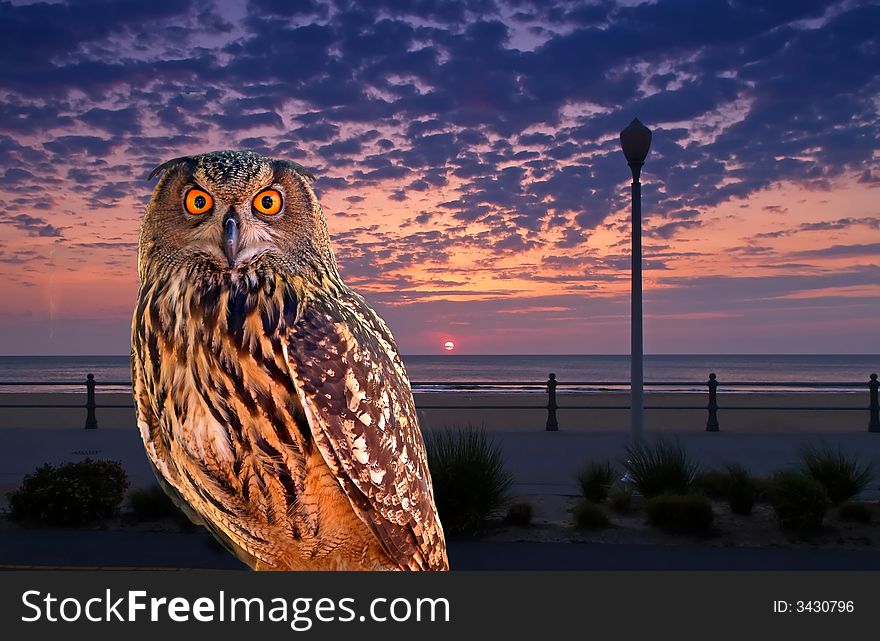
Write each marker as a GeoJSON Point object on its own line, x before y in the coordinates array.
{"type": "Point", "coordinates": [230, 237]}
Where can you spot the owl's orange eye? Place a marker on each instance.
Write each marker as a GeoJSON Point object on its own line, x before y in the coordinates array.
{"type": "Point", "coordinates": [268, 202]}
{"type": "Point", "coordinates": [198, 201]}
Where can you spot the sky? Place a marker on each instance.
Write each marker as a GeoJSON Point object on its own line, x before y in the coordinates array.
{"type": "Point", "coordinates": [468, 161]}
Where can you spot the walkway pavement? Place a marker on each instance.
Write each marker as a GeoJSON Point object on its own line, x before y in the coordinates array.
{"type": "Point", "coordinates": [541, 462]}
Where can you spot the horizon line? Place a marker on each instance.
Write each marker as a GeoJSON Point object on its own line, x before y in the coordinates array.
{"type": "Point", "coordinates": [447, 355]}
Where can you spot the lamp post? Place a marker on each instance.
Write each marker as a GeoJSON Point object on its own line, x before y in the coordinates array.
{"type": "Point", "coordinates": [636, 142]}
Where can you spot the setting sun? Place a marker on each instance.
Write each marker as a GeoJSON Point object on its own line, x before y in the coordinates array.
{"type": "Point", "coordinates": [449, 346]}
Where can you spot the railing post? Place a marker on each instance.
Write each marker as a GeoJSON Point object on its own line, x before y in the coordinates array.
{"type": "Point", "coordinates": [874, 405]}
{"type": "Point", "coordinates": [712, 423]}
{"type": "Point", "coordinates": [91, 421]}
{"type": "Point", "coordinates": [552, 425]}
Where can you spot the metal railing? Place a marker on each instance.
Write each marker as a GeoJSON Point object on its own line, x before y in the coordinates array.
{"type": "Point", "coordinates": [712, 407]}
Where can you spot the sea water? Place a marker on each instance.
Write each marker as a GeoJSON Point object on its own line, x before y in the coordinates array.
{"type": "Point", "coordinates": [593, 373]}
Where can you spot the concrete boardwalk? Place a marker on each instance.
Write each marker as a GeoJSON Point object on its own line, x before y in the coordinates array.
{"type": "Point", "coordinates": [540, 462]}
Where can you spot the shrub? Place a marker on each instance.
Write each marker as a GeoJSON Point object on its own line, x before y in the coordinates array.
{"type": "Point", "coordinates": [681, 513]}
{"type": "Point", "coordinates": [713, 483]}
{"type": "Point", "coordinates": [589, 516]}
{"type": "Point", "coordinates": [841, 474]}
{"type": "Point", "coordinates": [70, 494]}
{"type": "Point", "coordinates": [800, 502]}
{"type": "Point", "coordinates": [470, 482]}
{"type": "Point", "coordinates": [663, 467]}
{"type": "Point", "coordinates": [595, 479]}
{"type": "Point", "coordinates": [855, 512]}
{"type": "Point", "coordinates": [741, 490]}
{"type": "Point", "coordinates": [620, 499]}
{"type": "Point", "coordinates": [520, 514]}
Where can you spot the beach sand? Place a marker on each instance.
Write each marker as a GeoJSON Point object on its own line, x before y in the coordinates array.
{"type": "Point", "coordinates": [524, 413]}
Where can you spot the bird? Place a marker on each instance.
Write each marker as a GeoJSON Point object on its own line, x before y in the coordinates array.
{"type": "Point", "coordinates": [272, 401]}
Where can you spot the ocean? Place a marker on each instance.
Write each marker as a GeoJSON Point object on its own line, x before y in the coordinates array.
{"type": "Point", "coordinates": [591, 372]}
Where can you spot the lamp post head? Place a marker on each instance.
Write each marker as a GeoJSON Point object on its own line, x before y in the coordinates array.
{"type": "Point", "coordinates": [636, 143]}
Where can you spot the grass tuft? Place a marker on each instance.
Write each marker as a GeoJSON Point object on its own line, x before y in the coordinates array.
{"type": "Point", "coordinates": [661, 467]}
{"type": "Point", "coordinates": [742, 491]}
{"type": "Point", "coordinates": [842, 475]}
{"type": "Point", "coordinates": [595, 479]}
{"type": "Point", "coordinates": [620, 499]}
{"type": "Point", "coordinates": [470, 482]}
{"type": "Point", "coordinates": [520, 514]}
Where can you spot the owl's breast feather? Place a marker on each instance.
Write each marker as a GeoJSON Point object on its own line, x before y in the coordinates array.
{"type": "Point", "coordinates": [215, 369]}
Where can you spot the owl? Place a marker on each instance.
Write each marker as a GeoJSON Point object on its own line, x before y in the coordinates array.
{"type": "Point", "coordinates": [271, 399]}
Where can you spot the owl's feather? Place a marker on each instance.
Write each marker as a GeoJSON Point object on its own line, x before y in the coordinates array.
{"type": "Point", "coordinates": [167, 165]}
{"type": "Point", "coordinates": [355, 393]}
{"type": "Point", "coordinates": [171, 164]}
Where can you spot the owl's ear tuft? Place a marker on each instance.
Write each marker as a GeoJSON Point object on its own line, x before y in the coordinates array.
{"type": "Point", "coordinates": [294, 167]}
{"type": "Point", "coordinates": [169, 165]}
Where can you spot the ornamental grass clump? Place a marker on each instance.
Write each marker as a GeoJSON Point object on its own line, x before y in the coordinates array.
{"type": "Point", "coordinates": [842, 475]}
{"type": "Point", "coordinates": [620, 499]}
{"type": "Point", "coordinates": [595, 479]}
{"type": "Point", "coordinates": [470, 481]}
{"type": "Point", "coordinates": [520, 514]}
{"type": "Point", "coordinates": [661, 467]}
{"type": "Point", "coordinates": [742, 491]}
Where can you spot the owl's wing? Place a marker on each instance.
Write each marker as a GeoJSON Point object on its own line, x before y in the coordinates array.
{"type": "Point", "coordinates": [357, 398]}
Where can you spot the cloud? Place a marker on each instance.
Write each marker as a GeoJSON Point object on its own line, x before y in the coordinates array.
{"type": "Point", "coordinates": [113, 121]}
{"type": "Point", "coordinates": [68, 146]}
{"type": "Point", "coordinates": [478, 135]}
{"type": "Point", "coordinates": [15, 176]}
{"type": "Point", "coordinates": [31, 225]}
{"type": "Point", "coordinates": [822, 225]}
{"type": "Point", "coordinates": [841, 251]}
{"type": "Point", "coordinates": [715, 292]}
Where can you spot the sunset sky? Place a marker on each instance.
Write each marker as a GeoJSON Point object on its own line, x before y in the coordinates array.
{"type": "Point", "coordinates": [468, 162]}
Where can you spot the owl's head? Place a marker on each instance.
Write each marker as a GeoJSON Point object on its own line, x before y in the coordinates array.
{"type": "Point", "coordinates": [231, 208]}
